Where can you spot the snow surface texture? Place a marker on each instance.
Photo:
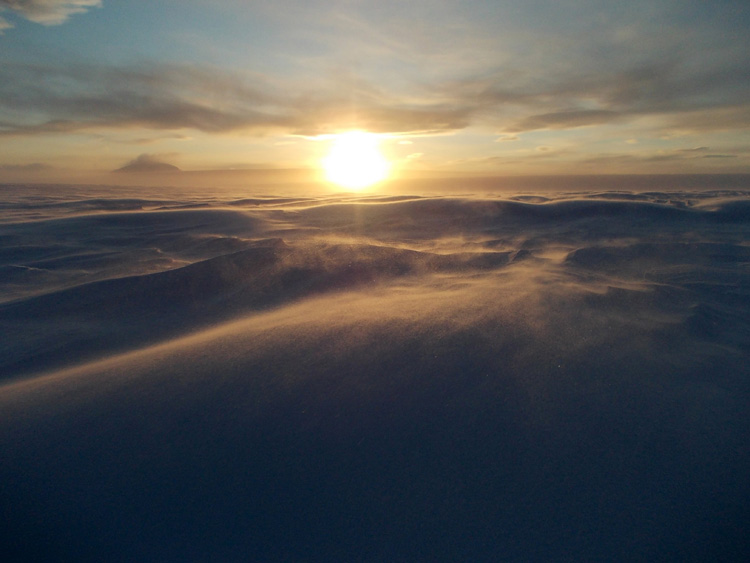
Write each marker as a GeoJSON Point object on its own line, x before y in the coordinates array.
{"type": "Point", "coordinates": [518, 377]}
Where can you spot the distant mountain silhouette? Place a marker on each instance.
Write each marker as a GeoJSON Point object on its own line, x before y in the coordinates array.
{"type": "Point", "coordinates": [147, 163]}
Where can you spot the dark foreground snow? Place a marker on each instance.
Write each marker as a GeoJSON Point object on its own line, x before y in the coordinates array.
{"type": "Point", "coordinates": [519, 377]}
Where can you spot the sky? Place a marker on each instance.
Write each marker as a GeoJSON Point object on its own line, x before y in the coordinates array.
{"type": "Point", "coordinates": [454, 86]}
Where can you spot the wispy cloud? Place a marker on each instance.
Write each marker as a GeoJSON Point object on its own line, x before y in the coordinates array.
{"type": "Point", "coordinates": [4, 24]}
{"type": "Point", "coordinates": [45, 99]}
{"type": "Point", "coordinates": [45, 12]}
{"type": "Point", "coordinates": [77, 97]}
{"type": "Point", "coordinates": [33, 167]}
{"type": "Point", "coordinates": [565, 120]}
{"type": "Point", "coordinates": [680, 156]}
{"type": "Point", "coordinates": [724, 118]}
{"type": "Point", "coordinates": [170, 96]}
{"type": "Point", "coordinates": [679, 91]}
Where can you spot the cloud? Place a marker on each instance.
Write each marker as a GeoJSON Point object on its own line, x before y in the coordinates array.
{"type": "Point", "coordinates": [32, 167]}
{"type": "Point", "coordinates": [642, 77]}
{"type": "Point", "coordinates": [156, 139]}
{"type": "Point", "coordinates": [681, 157]}
{"type": "Point", "coordinates": [78, 97]}
{"type": "Point", "coordinates": [724, 118]}
{"type": "Point", "coordinates": [170, 96]}
{"type": "Point", "coordinates": [45, 12]}
{"type": "Point", "coordinates": [675, 91]}
{"type": "Point", "coordinates": [565, 120]}
{"type": "Point", "coordinates": [148, 163]}
{"type": "Point", "coordinates": [538, 155]}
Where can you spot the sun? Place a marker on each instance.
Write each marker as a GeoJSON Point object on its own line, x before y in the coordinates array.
{"type": "Point", "coordinates": [355, 160]}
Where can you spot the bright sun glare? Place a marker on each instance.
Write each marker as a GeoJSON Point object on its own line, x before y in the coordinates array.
{"type": "Point", "coordinates": [355, 161]}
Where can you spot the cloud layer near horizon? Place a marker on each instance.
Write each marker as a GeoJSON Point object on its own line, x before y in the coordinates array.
{"type": "Point", "coordinates": [79, 97]}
